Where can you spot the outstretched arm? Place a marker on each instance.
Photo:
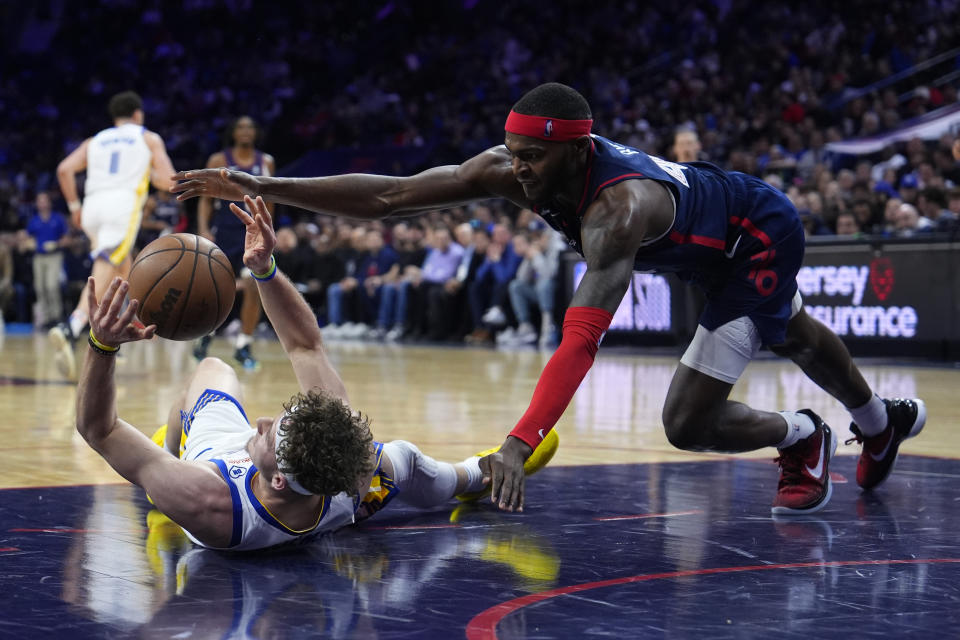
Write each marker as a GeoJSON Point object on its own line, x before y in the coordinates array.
{"type": "Point", "coordinates": [192, 494]}
{"type": "Point", "coordinates": [613, 229]}
{"type": "Point", "coordinates": [366, 196]}
{"type": "Point", "coordinates": [289, 313]}
{"type": "Point", "coordinates": [67, 171]}
{"type": "Point", "coordinates": [161, 169]}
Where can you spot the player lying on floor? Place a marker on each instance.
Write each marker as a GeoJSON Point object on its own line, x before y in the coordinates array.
{"type": "Point", "coordinates": [311, 469]}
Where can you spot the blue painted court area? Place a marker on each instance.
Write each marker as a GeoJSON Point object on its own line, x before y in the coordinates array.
{"type": "Point", "coordinates": [679, 550]}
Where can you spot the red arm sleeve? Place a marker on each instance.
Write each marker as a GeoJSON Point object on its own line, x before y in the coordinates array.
{"type": "Point", "coordinates": [583, 329]}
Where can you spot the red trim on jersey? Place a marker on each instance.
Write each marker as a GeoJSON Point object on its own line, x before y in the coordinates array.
{"type": "Point", "coordinates": [543, 128]}
{"type": "Point", "coordinates": [612, 180]}
{"type": "Point", "coordinates": [751, 229]}
{"type": "Point", "coordinates": [713, 243]}
{"type": "Point", "coordinates": [583, 329]}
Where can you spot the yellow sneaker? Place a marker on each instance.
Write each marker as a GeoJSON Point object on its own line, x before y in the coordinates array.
{"type": "Point", "coordinates": [530, 557]}
{"type": "Point", "coordinates": [164, 537]}
{"type": "Point", "coordinates": [537, 460]}
{"type": "Point", "coordinates": [159, 436]}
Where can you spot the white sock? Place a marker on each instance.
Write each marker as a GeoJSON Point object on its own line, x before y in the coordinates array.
{"type": "Point", "coordinates": [77, 322]}
{"type": "Point", "coordinates": [871, 417]}
{"type": "Point", "coordinates": [474, 475]}
{"type": "Point", "coordinates": [799, 427]}
{"type": "Point", "coordinates": [243, 340]}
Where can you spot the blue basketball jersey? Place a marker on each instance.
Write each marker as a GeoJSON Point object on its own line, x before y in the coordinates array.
{"type": "Point", "coordinates": [715, 224]}
{"type": "Point", "coordinates": [731, 231]}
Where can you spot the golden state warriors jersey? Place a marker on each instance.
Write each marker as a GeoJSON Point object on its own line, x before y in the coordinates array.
{"type": "Point", "coordinates": [118, 158]}
{"type": "Point", "coordinates": [254, 527]}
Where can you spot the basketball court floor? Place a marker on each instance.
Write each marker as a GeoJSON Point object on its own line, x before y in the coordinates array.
{"type": "Point", "coordinates": [622, 536]}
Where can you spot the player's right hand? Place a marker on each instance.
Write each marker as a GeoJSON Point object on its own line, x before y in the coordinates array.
{"type": "Point", "coordinates": [109, 321]}
{"type": "Point", "coordinates": [225, 184]}
{"type": "Point", "coordinates": [506, 473]}
{"type": "Point", "coordinates": [260, 239]}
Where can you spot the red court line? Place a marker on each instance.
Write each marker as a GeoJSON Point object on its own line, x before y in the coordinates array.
{"type": "Point", "coordinates": [484, 625]}
{"type": "Point", "coordinates": [76, 530]}
{"type": "Point", "coordinates": [68, 486]}
{"type": "Point", "coordinates": [425, 526]}
{"type": "Point", "coordinates": [6, 549]}
{"type": "Point", "coordinates": [641, 516]}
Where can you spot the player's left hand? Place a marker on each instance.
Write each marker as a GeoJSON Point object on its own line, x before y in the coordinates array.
{"type": "Point", "coordinates": [261, 239]}
{"type": "Point", "coordinates": [110, 323]}
{"type": "Point", "coordinates": [504, 468]}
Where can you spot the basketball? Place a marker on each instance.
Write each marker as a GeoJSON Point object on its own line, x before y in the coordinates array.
{"type": "Point", "coordinates": [185, 286]}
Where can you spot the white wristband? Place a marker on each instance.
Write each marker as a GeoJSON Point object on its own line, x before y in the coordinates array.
{"type": "Point", "coordinates": [74, 206]}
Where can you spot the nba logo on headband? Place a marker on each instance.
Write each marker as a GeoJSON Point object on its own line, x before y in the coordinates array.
{"type": "Point", "coordinates": [544, 128]}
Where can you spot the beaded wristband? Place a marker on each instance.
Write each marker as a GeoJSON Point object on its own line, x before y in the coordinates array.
{"type": "Point", "coordinates": [271, 272]}
{"type": "Point", "coordinates": [101, 348]}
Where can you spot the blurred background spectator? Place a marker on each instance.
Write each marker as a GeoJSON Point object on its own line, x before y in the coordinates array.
{"type": "Point", "coordinates": [534, 286]}
{"type": "Point", "coordinates": [767, 88]}
{"type": "Point", "coordinates": [162, 214]}
{"type": "Point", "coordinates": [489, 292]}
{"type": "Point", "coordinates": [44, 238]}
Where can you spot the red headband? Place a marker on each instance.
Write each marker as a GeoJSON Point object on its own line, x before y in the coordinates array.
{"type": "Point", "coordinates": [551, 129]}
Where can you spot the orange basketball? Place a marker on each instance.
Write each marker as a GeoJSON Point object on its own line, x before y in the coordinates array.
{"type": "Point", "coordinates": [185, 286]}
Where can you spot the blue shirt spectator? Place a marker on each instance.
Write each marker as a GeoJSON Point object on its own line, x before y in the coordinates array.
{"type": "Point", "coordinates": [502, 261]}
{"type": "Point", "coordinates": [442, 262]}
{"type": "Point", "coordinates": [47, 227]}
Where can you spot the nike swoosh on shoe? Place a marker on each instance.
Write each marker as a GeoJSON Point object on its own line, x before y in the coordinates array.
{"type": "Point", "coordinates": [883, 453]}
{"type": "Point", "coordinates": [817, 471]}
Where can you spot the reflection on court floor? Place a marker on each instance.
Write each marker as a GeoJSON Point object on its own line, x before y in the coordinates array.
{"type": "Point", "coordinates": [655, 550]}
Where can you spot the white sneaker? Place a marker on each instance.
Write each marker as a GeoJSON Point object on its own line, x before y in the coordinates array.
{"type": "Point", "coordinates": [62, 340]}
{"type": "Point", "coordinates": [495, 316]}
{"type": "Point", "coordinates": [394, 334]}
{"type": "Point", "coordinates": [331, 332]}
{"type": "Point", "coordinates": [355, 330]}
{"type": "Point", "coordinates": [525, 334]}
{"type": "Point", "coordinates": [375, 333]}
{"type": "Point", "coordinates": [506, 336]}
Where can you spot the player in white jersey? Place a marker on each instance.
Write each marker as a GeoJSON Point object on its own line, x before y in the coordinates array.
{"type": "Point", "coordinates": [311, 469]}
{"type": "Point", "coordinates": [121, 162]}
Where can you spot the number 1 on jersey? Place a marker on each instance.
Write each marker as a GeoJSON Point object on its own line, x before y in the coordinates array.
{"type": "Point", "coordinates": [114, 162]}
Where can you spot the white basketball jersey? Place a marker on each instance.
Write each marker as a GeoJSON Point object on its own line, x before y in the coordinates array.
{"type": "Point", "coordinates": [118, 158]}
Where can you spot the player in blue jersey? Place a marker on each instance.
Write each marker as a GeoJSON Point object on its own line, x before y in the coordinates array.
{"type": "Point", "coordinates": [730, 233]}
{"type": "Point", "coordinates": [216, 223]}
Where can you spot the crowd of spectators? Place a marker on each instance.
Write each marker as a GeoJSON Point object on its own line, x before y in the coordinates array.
{"type": "Point", "coordinates": [755, 87]}
{"type": "Point", "coordinates": [447, 276]}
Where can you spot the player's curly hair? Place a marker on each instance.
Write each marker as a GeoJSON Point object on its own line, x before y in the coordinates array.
{"type": "Point", "coordinates": [554, 100]}
{"type": "Point", "coordinates": [326, 445]}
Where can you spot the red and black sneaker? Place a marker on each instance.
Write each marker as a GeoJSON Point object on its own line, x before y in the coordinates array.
{"type": "Point", "coordinates": [805, 485]}
{"type": "Point", "coordinates": [905, 419]}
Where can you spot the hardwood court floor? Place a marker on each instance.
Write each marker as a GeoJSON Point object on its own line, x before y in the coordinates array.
{"type": "Point", "coordinates": [452, 402]}
{"type": "Point", "coordinates": [623, 537]}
